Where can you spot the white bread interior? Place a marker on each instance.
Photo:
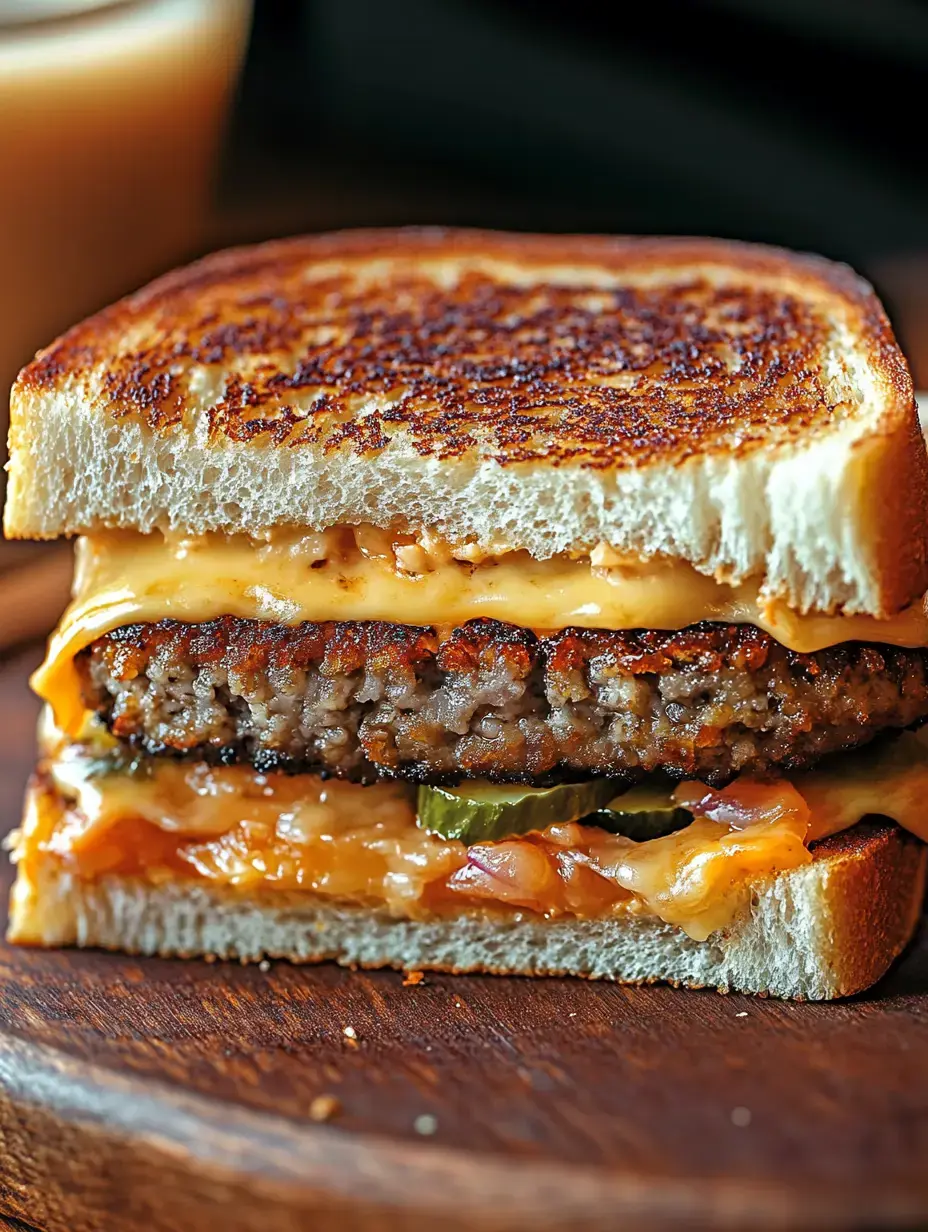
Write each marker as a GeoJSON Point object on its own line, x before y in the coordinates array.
{"type": "Point", "coordinates": [826, 930]}
{"type": "Point", "coordinates": [829, 516]}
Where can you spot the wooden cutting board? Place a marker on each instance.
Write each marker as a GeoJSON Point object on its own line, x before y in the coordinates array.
{"type": "Point", "coordinates": [155, 1096]}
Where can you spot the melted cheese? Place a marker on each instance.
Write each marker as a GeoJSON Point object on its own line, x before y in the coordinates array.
{"type": "Point", "coordinates": [234, 826]}
{"type": "Point", "coordinates": [124, 577]}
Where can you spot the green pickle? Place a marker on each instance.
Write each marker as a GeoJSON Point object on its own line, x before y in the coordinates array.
{"type": "Point", "coordinates": [643, 812]}
{"type": "Point", "coordinates": [477, 812]}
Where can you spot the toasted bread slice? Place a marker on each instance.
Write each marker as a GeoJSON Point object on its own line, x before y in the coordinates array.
{"type": "Point", "coordinates": [825, 930]}
{"type": "Point", "coordinates": [741, 408]}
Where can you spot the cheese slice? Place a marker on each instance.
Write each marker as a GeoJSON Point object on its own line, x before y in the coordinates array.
{"type": "Point", "coordinates": [124, 577]}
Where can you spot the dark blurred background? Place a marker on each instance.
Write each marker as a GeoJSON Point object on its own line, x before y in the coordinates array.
{"type": "Point", "coordinates": [794, 122]}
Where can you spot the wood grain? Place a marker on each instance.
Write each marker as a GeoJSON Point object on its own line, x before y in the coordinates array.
{"type": "Point", "coordinates": [154, 1095]}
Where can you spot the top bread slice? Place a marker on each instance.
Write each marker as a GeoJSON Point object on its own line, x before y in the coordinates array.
{"type": "Point", "coordinates": [740, 408]}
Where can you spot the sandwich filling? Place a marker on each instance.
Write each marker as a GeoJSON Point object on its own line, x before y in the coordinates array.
{"type": "Point", "coordinates": [383, 717]}
{"type": "Point", "coordinates": [93, 814]}
{"type": "Point", "coordinates": [369, 700]}
{"type": "Point", "coordinates": [364, 574]}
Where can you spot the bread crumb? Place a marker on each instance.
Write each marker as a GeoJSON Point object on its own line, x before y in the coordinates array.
{"type": "Point", "coordinates": [351, 1036]}
{"type": "Point", "coordinates": [743, 1014]}
{"type": "Point", "coordinates": [324, 1107]}
{"type": "Point", "coordinates": [264, 966]}
{"type": "Point", "coordinates": [741, 1117]}
{"type": "Point", "coordinates": [411, 978]}
{"type": "Point", "coordinates": [425, 1124]}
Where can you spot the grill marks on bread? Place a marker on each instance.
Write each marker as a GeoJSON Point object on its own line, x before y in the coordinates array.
{"type": "Point", "coordinates": [419, 335]}
{"type": "Point", "coordinates": [370, 699]}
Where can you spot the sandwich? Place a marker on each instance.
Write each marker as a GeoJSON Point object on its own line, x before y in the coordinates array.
{"type": "Point", "coordinates": [479, 602]}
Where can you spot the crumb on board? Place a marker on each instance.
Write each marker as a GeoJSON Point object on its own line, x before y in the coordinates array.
{"type": "Point", "coordinates": [743, 1014]}
{"type": "Point", "coordinates": [264, 966]}
{"type": "Point", "coordinates": [351, 1036]}
{"type": "Point", "coordinates": [411, 978]}
{"type": "Point", "coordinates": [425, 1124]}
{"type": "Point", "coordinates": [324, 1107]}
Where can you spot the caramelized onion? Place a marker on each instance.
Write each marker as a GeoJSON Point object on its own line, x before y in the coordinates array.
{"type": "Point", "coordinates": [745, 802]}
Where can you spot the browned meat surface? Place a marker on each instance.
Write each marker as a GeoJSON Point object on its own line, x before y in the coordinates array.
{"type": "Point", "coordinates": [363, 700]}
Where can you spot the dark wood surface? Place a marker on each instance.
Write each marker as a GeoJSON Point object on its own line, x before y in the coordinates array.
{"type": "Point", "coordinates": [156, 1096]}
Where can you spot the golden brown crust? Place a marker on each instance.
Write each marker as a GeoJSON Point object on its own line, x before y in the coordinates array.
{"type": "Point", "coordinates": [565, 370]}
{"type": "Point", "coordinates": [877, 863]}
{"type": "Point", "coordinates": [899, 490]}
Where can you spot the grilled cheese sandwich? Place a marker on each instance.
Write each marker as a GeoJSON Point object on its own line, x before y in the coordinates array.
{"type": "Point", "coordinates": [481, 583]}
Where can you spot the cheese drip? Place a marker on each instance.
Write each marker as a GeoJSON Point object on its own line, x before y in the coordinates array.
{"type": "Point", "coordinates": [125, 577]}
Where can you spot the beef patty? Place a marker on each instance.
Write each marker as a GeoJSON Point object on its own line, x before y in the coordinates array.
{"type": "Point", "coordinates": [370, 699]}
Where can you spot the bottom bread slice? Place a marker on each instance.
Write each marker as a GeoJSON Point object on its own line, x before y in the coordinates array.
{"type": "Point", "coordinates": [828, 929]}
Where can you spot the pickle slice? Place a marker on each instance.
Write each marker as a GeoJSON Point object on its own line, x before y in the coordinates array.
{"type": "Point", "coordinates": [475, 812]}
{"type": "Point", "coordinates": [643, 812]}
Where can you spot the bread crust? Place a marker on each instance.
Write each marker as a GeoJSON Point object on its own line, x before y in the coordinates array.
{"type": "Point", "coordinates": [828, 929]}
{"type": "Point", "coordinates": [483, 356]}
{"type": "Point", "coordinates": [535, 390]}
